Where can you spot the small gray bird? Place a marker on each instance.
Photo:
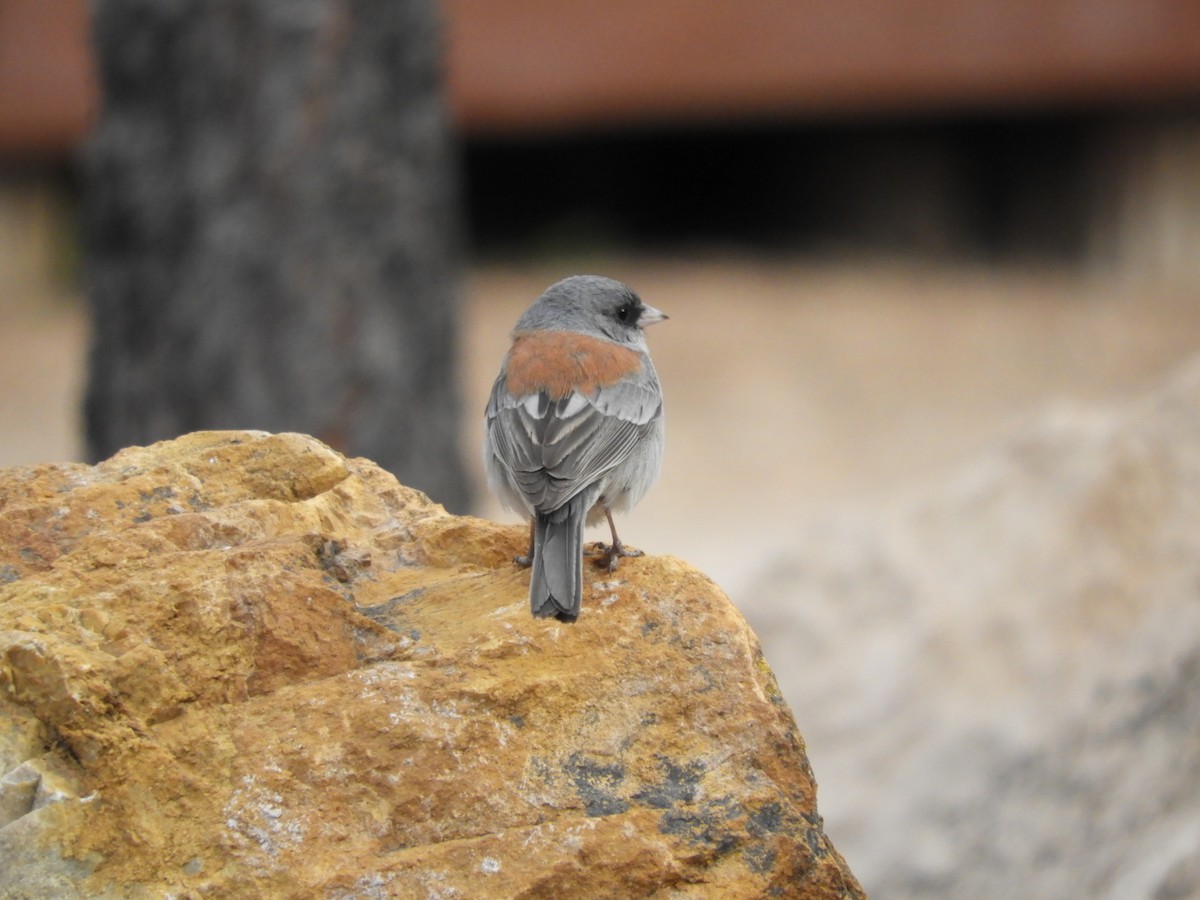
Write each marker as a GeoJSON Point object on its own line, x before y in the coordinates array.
{"type": "Point", "coordinates": [574, 428]}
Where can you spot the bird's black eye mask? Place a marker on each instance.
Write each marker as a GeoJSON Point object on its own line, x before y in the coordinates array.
{"type": "Point", "coordinates": [629, 312]}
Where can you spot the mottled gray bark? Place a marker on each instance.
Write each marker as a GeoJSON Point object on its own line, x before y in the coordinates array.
{"type": "Point", "coordinates": [272, 229]}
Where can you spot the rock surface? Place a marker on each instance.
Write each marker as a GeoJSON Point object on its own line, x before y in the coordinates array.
{"type": "Point", "coordinates": [1009, 704]}
{"type": "Point", "coordinates": [241, 664]}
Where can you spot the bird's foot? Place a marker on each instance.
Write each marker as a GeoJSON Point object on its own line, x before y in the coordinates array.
{"type": "Point", "coordinates": [610, 555]}
{"type": "Point", "coordinates": [525, 560]}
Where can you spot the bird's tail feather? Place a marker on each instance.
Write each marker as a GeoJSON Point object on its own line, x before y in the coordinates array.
{"type": "Point", "coordinates": [556, 583]}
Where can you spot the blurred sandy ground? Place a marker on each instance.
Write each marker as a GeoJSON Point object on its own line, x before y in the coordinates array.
{"type": "Point", "coordinates": [790, 387]}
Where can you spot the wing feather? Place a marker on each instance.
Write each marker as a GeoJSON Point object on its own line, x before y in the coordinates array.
{"type": "Point", "coordinates": [553, 449]}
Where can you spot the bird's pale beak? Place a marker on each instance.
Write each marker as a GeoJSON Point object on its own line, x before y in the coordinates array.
{"type": "Point", "coordinates": [651, 316]}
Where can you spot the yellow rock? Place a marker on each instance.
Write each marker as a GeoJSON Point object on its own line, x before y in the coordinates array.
{"type": "Point", "coordinates": [240, 663]}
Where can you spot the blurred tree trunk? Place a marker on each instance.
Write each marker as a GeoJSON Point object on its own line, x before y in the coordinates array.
{"type": "Point", "coordinates": [272, 229]}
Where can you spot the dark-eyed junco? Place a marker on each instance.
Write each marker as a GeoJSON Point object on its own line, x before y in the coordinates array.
{"type": "Point", "coordinates": [574, 427]}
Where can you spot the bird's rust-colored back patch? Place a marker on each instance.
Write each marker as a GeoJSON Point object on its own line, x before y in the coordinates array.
{"type": "Point", "coordinates": [559, 362]}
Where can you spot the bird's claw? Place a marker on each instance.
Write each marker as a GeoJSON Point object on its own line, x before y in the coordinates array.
{"type": "Point", "coordinates": [610, 555]}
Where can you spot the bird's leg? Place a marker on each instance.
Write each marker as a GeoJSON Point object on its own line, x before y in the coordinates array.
{"type": "Point", "coordinates": [613, 553]}
{"type": "Point", "coordinates": [526, 561]}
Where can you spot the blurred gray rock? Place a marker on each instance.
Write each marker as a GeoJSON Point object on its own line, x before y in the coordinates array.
{"type": "Point", "coordinates": [998, 676]}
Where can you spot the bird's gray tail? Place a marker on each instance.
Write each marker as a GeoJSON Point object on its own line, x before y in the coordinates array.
{"type": "Point", "coordinates": [556, 584]}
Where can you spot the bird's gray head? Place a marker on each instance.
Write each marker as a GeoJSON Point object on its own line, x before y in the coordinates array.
{"type": "Point", "coordinates": [592, 304]}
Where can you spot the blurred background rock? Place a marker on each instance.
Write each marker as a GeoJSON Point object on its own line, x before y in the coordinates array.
{"type": "Point", "coordinates": [932, 269]}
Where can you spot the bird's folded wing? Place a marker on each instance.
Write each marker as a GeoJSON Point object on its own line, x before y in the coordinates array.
{"type": "Point", "coordinates": [555, 448]}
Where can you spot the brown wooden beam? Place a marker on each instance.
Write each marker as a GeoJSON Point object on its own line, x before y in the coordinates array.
{"type": "Point", "coordinates": [555, 64]}
{"type": "Point", "coordinates": [552, 64]}
{"type": "Point", "coordinates": [48, 94]}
